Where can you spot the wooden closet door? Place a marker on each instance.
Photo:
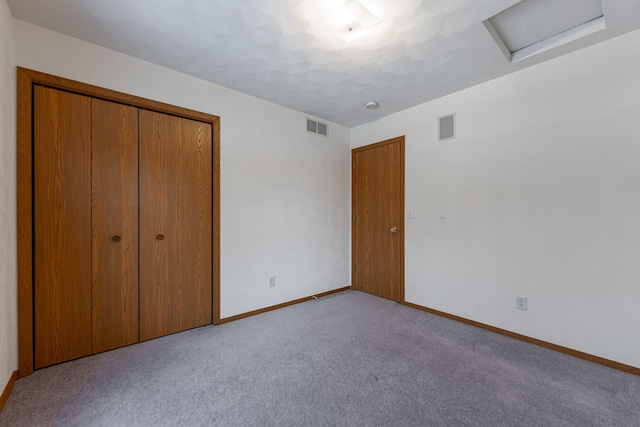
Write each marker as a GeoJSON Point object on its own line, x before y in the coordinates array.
{"type": "Point", "coordinates": [175, 224]}
{"type": "Point", "coordinates": [114, 210]}
{"type": "Point", "coordinates": [62, 225]}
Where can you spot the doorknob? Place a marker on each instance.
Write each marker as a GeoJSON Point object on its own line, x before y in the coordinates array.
{"type": "Point", "coordinates": [394, 229]}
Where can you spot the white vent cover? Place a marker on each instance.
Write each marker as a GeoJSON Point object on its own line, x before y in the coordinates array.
{"type": "Point", "coordinates": [318, 128]}
{"type": "Point", "coordinates": [447, 127]}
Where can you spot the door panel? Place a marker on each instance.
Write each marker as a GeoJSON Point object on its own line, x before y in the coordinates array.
{"type": "Point", "coordinates": [378, 208]}
{"type": "Point", "coordinates": [62, 225]}
{"type": "Point", "coordinates": [175, 224]}
{"type": "Point", "coordinates": [114, 209]}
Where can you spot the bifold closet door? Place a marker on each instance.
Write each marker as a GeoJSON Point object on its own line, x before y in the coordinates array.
{"type": "Point", "coordinates": [114, 212]}
{"type": "Point", "coordinates": [175, 224]}
{"type": "Point", "coordinates": [62, 225]}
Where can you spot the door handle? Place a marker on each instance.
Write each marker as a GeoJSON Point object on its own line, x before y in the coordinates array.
{"type": "Point", "coordinates": [394, 229]}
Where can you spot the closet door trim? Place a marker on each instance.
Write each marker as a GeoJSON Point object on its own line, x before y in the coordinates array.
{"type": "Point", "coordinates": [26, 79]}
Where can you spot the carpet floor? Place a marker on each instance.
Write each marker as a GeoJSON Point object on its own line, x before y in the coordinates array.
{"type": "Point", "coordinates": [349, 359]}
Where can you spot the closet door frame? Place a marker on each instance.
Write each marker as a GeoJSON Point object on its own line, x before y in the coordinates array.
{"type": "Point", "coordinates": [26, 79]}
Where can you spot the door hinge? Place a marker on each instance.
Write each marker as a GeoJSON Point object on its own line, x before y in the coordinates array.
{"type": "Point", "coordinates": [354, 217]}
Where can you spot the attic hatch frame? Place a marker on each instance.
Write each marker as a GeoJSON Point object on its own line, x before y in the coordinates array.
{"type": "Point", "coordinates": [498, 28]}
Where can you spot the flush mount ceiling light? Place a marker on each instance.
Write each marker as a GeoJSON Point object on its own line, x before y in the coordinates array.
{"type": "Point", "coordinates": [371, 105]}
{"type": "Point", "coordinates": [351, 20]}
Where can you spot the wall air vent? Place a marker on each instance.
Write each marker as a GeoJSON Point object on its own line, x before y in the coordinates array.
{"type": "Point", "coordinates": [318, 128]}
{"type": "Point", "coordinates": [447, 127]}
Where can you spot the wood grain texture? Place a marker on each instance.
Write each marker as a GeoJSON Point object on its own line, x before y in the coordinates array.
{"type": "Point", "coordinates": [110, 95]}
{"type": "Point", "coordinates": [216, 220]}
{"type": "Point", "coordinates": [7, 389]}
{"type": "Point", "coordinates": [175, 202]}
{"type": "Point", "coordinates": [26, 79]}
{"type": "Point", "coordinates": [114, 212]}
{"type": "Point", "coordinates": [25, 223]}
{"type": "Point", "coordinates": [378, 206]}
{"type": "Point", "coordinates": [62, 223]}
{"type": "Point", "coordinates": [575, 353]}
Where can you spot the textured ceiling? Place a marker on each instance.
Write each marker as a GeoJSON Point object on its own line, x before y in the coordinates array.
{"type": "Point", "coordinates": [275, 50]}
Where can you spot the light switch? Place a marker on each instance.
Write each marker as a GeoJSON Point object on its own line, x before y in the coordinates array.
{"type": "Point", "coordinates": [410, 214]}
{"type": "Point", "coordinates": [442, 214]}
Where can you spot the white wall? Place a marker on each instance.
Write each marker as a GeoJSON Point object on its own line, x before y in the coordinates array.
{"type": "Point", "coordinates": [542, 196]}
{"type": "Point", "coordinates": [8, 269]}
{"type": "Point", "coordinates": [284, 192]}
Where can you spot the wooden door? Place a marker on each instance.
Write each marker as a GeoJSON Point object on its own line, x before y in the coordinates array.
{"type": "Point", "coordinates": [62, 225]}
{"type": "Point", "coordinates": [378, 219]}
{"type": "Point", "coordinates": [175, 224]}
{"type": "Point", "coordinates": [114, 209]}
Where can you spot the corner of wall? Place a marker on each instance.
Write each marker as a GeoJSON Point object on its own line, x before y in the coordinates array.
{"type": "Point", "coordinates": [8, 245]}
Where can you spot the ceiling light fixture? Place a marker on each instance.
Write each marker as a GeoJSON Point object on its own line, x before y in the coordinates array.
{"type": "Point", "coordinates": [371, 105]}
{"type": "Point", "coordinates": [351, 20]}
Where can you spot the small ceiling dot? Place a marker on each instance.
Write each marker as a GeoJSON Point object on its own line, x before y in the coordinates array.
{"type": "Point", "coordinates": [371, 105]}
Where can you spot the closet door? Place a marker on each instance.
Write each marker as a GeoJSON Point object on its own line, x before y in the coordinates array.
{"type": "Point", "coordinates": [62, 225]}
{"type": "Point", "coordinates": [114, 210]}
{"type": "Point", "coordinates": [175, 224]}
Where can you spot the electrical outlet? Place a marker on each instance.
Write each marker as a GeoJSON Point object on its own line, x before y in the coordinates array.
{"type": "Point", "coordinates": [521, 303]}
{"type": "Point", "coordinates": [272, 281]}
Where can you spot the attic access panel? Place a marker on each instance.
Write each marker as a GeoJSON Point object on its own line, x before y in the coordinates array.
{"type": "Point", "coordinates": [533, 26]}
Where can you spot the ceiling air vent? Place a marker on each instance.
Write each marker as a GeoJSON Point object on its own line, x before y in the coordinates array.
{"type": "Point", "coordinates": [318, 128]}
{"type": "Point", "coordinates": [447, 127]}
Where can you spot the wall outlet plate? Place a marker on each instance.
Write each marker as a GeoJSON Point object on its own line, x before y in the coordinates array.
{"type": "Point", "coordinates": [272, 281]}
{"type": "Point", "coordinates": [521, 303]}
